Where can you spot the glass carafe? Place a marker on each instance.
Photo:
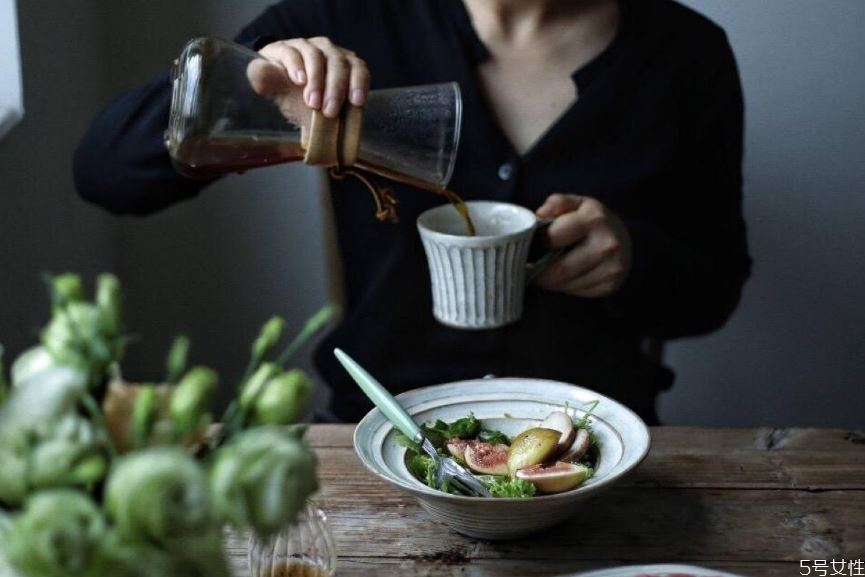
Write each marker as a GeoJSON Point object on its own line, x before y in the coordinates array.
{"type": "Point", "coordinates": [233, 110]}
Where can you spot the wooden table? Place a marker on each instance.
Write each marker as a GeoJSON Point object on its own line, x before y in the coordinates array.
{"type": "Point", "coordinates": [751, 501]}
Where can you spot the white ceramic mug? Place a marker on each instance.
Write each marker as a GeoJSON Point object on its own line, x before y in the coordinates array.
{"type": "Point", "coordinates": [478, 282]}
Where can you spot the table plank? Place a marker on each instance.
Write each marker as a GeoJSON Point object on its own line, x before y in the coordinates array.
{"type": "Point", "coordinates": [432, 566]}
{"type": "Point", "coordinates": [686, 438]}
{"type": "Point", "coordinates": [806, 459]}
{"type": "Point", "coordinates": [750, 501]}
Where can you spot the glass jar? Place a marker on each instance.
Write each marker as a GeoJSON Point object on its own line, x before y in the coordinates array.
{"type": "Point", "coordinates": [303, 549]}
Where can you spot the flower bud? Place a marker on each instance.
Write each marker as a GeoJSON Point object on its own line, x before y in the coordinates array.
{"type": "Point", "coordinates": [270, 334]}
{"type": "Point", "coordinates": [284, 399]}
{"type": "Point", "coordinates": [263, 479]}
{"type": "Point", "coordinates": [65, 288]}
{"type": "Point", "coordinates": [159, 496]}
{"type": "Point", "coordinates": [254, 385]}
{"type": "Point", "coordinates": [4, 384]}
{"type": "Point", "coordinates": [177, 358]}
{"type": "Point", "coordinates": [145, 410]}
{"type": "Point", "coordinates": [60, 533]}
{"type": "Point", "coordinates": [191, 398]}
{"type": "Point", "coordinates": [109, 302]}
{"type": "Point", "coordinates": [89, 470]}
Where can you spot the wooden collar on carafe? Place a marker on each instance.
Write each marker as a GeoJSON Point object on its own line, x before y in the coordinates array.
{"type": "Point", "coordinates": [334, 143]}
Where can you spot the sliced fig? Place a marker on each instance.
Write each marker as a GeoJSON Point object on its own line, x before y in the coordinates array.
{"type": "Point", "coordinates": [531, 447]}
{"type": "Point", "coordinates": [559, 421]}
{"type": "Point", "coordinates": [578, 448]}
{"type": "Point", "coordinates": [556, 478]}
{"type": "Point", "coordinates": [487, 459]}
{"type": "Point", "coordinates": [457, 448]}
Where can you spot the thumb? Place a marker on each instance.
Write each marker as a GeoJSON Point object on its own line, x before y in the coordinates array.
{"type": "Point", "coordinates": [267, 78]}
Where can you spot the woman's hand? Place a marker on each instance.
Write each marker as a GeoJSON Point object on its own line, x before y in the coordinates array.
{"type": "Point", "coordinates": [329, 75]}
{"type": "Point", "coordinates": [600, 261]}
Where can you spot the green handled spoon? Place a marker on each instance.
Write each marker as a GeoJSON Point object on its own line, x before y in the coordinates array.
{"type": "Point", "coordinates": [447, 470]}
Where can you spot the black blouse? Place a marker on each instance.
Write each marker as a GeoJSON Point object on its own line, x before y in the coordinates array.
{"type": "Point", "coordinates": [656, 135]}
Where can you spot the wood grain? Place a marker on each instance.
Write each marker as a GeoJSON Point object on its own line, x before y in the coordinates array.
{"type": "Point", "coordinates": [749, 501]}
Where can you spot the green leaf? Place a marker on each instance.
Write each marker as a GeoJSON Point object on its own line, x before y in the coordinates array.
{"type": "Point", "coordinates": [493, 437]}
{"type": "Point", "coordinates": [439, 432]}
{"type": "Point", "coordinates": [583, 423]}
{"type": "Point", "coordinates": [508, 487]}
{"type": "Point", "coordinates": [316, 322]}
{"type": "Point", "coordinates": [423, 468]}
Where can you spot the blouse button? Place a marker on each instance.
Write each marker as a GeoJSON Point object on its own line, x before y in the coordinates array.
{"type": "Point", "coordinates": [506, 171]}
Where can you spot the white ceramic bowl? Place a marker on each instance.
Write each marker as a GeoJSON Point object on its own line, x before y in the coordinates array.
{"type": "Point", "coordinates": [655, 571]}
{"type": "Point", "coordinates": [510, 405]}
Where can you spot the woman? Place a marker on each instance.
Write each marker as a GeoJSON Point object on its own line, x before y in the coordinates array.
{"type": "Point", "coordinates": [621, 120]}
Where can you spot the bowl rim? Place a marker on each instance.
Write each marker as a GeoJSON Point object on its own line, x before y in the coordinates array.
{"type": "Point", "coordinates": [657, 568]}
{"type": "Point", "coordinates": [422, 490]}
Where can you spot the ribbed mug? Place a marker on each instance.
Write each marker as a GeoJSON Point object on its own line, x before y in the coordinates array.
{"type": "Point", "coordinates": [478, 282]}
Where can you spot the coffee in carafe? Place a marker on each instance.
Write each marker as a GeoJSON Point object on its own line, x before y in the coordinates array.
{"type": "Point", "coordinates": [233, 110]}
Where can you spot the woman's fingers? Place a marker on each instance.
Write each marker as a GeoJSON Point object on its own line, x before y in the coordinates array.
{"type": "Point", "coordinates": [290, 58]}
{"type": "Point", "coordinates": [572, 265]}
{"type": "Point", "coordinates": [314, 68]}
{"type": "Point", "coordinates": [330, 74]}
{"type": "Point", "coordinates": [358, 85]}
{"type": "Point", "coordinates": [558, 204]}
{"type": "Point", "coordinates": [267, 78]}
{"type": "Point", "coordinates": [605, 277]}
{"type": "Point", "coordinates": [337, 77]}
{"type": "Point", "coordinates": [600, 259]}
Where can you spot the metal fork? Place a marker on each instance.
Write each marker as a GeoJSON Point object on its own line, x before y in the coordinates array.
{"type": "Point", "coordinates": [447, 470]}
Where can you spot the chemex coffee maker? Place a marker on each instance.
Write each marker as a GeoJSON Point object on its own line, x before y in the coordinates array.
{"type": "Point", "coordinates": [233, 110]}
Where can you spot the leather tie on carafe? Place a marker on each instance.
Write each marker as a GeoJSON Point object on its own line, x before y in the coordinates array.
{"type": "Point", "coordinates": [334, 143]}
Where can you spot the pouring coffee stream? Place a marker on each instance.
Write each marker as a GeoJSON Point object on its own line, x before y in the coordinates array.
{"type": "Point", "coordinates": [227, 117]}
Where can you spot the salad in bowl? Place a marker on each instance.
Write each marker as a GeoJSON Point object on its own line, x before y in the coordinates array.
{"type": "Point", "coordinates": [467, 420]}
{"type": "Point", "coordinates": [558, 455]}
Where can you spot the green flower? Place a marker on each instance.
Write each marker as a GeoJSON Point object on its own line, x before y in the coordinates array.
{"type": "Point", "coordinates": [158, 496]}
{"type": "Point", "coordinates": [14, 453]}
{"type": "Point", "coordinates": [68, 453]}
{"type": "Point", "coordinates": [43, 398]}
{"type": "Point", "coordinates": [192, 556]}
{"type": "Point", "coordinates": [30, 363]}
{"type": "Point", "coordinates": [84, 336]}
{"type": "Point", "coordinates": [263, 479]}
{"type": "Point", "coordinates": [60, 533]}
{"type": "Point", "coordinates": [65, 452]}
{"type": "Point", "coordinates": [284, 399]}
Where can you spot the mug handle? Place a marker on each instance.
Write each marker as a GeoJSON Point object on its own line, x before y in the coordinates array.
{"type": "Point", "coordinates": [534, 269]}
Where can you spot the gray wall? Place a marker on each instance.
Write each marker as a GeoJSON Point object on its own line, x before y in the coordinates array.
{"type": "Point", "coordinates": [43, 227]}
{"type": "Point", "coordinates": [795, 351]}
{"type": "Point", "coordinates": [219, 265]}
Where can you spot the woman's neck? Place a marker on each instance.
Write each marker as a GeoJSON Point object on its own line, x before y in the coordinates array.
{"type": "Point", "coordinates": [522, 20]}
